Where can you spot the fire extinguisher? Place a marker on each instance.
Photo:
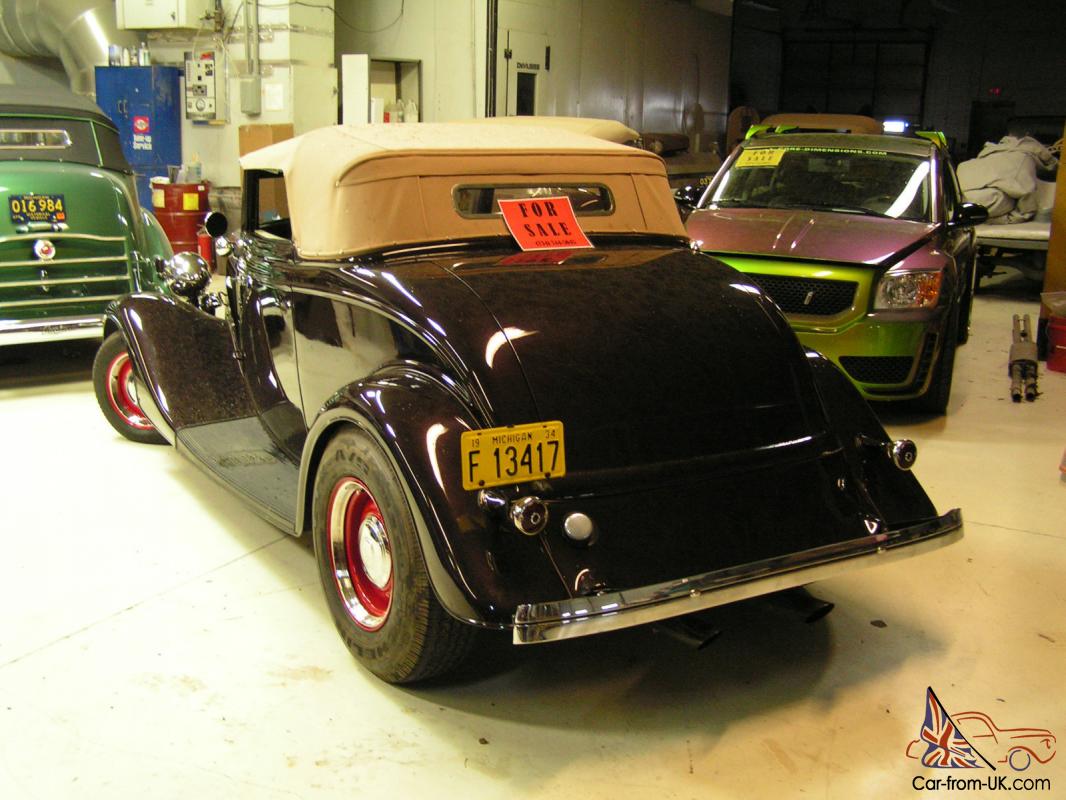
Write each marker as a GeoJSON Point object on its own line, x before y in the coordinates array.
{"type": "Point", "coordinates": [205, 245]}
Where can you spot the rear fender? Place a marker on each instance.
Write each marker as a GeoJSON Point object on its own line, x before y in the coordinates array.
{"type": "Point", "coordinates": [480, 567]}
{"type": "Point", "coordinates": [156, 245]}
{"type": "Point", "coordinates": [895, 493]}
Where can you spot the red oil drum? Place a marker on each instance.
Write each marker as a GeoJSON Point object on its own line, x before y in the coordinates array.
{"type": "Point", "coordinates": [1056, 344]}
{"type": "Point", "coordinates": [181, 209]}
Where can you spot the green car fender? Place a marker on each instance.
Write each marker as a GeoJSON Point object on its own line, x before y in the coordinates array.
{"type": "Point", "coordinates": [156, 246]}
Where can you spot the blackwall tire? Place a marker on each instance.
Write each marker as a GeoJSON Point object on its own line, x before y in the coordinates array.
{"type": "Point", "coordinates": [113, 385]}
{"type": "Point", "coordinates": [372, 570]}
{"type": "Point", "coordinates": [966, 302]}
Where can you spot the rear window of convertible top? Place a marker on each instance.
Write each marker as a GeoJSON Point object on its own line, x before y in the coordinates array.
{"type": "Point", "coordinates": [483, 200]}
{"type": "Point", "coordinates": [60, 139]}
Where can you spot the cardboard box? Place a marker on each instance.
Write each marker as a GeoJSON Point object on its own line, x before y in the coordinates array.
{"type": "Point", "coordinates": [272, 198]}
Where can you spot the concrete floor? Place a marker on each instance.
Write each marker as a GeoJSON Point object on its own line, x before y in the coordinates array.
{"type": "Point", "coordinates": [158, 640]}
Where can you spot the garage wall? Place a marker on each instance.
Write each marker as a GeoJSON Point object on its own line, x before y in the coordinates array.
{"type": "Point", "coordinates": [448, 36]}
{"type": "Point", "coordinates": [298, 79]}
{"type": "Point", "coordinates": [755, 78]}
{"type": "Point", "coordinates": [976, 46]}
{"type": "Point", "coordinates": [1013, 47]}
{"type": "Point", "coordinates": [644, 62]}
{"type": "Point", "coordinates": [650, 63]}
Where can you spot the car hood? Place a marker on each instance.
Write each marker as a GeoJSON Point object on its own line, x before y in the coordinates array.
{"type": "Point", "coordinates": [648, 356]}
{"type": "Point", "coordinates": [808, 235]}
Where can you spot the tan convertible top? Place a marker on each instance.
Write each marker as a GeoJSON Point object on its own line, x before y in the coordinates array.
{"type": "Point", "coordinates": [356, 188]}
{"type": "Point", "coordinates": [609, 129]}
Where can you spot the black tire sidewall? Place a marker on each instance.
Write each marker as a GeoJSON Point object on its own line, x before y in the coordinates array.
{"type": "Point", "coordinates": [969, 278]}
{"type": "Point", "coordinates": [111, 347]}
{"type": "Point", "coordinates": [392, 651]}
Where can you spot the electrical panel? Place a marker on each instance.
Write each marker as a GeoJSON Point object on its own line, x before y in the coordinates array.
{"type": "Point", "coordinates": [203, 102]}
{"type": "Point", "coordinates": [162, 14]}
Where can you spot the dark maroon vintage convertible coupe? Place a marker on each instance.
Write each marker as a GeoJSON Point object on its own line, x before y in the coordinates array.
{"type": "Point", "coordinates": [556, 442]}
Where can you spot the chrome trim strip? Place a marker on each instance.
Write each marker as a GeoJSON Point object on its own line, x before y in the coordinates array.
{"type": "Point", "coordinates": [50, 234]}
{"type": "Point", "coordinates": [583, 616]}
{"type": "Point", "coordinates": [56, 262]}
{"type": "Point", "coordinates": [51, 330]}
{"type": "Point", "coordinates": [56, 281]}
{"type": "Point", "coordinates": [58, 300]}
{"type": "Point", "coordinates": [146, 400]}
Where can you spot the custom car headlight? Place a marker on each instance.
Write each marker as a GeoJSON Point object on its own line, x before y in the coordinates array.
{"type": "Point", "coordinates": [909, 289]}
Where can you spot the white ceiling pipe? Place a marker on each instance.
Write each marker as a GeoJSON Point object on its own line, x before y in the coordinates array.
{"type": "Point", "coordinates": [77, 32]}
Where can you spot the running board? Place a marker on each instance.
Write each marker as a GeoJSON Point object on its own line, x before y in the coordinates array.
{"type": "Point", "coordinates": [241, 453]}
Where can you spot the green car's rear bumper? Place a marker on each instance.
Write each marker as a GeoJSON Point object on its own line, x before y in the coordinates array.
{"type": "Point", "coordinates": [64, 296]}
{"type": "Point", "coordinates": [887, 355]}
{"type": "Point", "coordinates": [51, 329]}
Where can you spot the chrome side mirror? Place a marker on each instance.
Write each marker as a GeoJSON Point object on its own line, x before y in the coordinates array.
{"type": "Point", "coordinates": [969, 214]}
{"type": "Point", "coordinates": [187, 275]}
{"type": "Point", "coordinates": [688, 196]}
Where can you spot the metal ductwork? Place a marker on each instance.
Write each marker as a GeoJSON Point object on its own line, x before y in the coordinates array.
{"type": "Point", "coordinates": [77, 32]}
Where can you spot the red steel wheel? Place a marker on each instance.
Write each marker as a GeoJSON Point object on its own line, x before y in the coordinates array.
{"type": "Point", "coordinates": [116, 392]}
{"type": "Point", "coordinates": [122, 395]}
{"type": "Point", "coordinates": [360, 553]}
{"type": "Point", "coordinates": [374, 575]}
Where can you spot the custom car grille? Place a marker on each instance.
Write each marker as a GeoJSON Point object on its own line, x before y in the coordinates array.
{"type": "Point", "coordinates": [814, 296]}
{"type": "Point", "coordinates": [878, 369]}
{"type": "Point", "coordinates": [86, 273]}
{"type": "Point", "coordinates": [891, 369]}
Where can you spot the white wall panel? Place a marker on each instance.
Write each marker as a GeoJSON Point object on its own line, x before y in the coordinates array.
{"type": "Point", "coordinates": [444, 34]}
{"type": "Point", "coordinates": [643, 62]}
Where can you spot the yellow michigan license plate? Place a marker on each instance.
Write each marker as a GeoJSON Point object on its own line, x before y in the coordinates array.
{"type": "Point", "coordinates": [499, 456]}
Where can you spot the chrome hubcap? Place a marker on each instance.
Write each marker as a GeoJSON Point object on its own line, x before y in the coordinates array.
{"type": "Point", "coordinates": [374, 551]}
{"type": "Point", "coordinates": [360, 553]}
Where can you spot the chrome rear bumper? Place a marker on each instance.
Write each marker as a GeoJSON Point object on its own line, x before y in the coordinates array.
{"type": "Point", "coordinates": [584, 616]}
{"type": "Point", "coordinates": [53, 329]}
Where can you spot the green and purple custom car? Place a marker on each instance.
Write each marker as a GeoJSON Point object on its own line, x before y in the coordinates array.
{"type": "Point", "coordinates": [72, 235]}
{"type": "Point", "coordinates": [862, 240]}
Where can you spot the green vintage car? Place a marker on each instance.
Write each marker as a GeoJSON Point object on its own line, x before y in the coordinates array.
{"type": "Point", "coordinates": [864, 242]}
{"type": "Point", "coordinates": [72, 235]}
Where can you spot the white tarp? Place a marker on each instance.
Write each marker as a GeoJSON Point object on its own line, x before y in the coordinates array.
{"type": "Point", "coordinates": [1004, 178]}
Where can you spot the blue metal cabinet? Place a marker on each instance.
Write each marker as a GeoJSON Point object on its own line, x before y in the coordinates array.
{"type": "Point", "coordinates": [145, 104]}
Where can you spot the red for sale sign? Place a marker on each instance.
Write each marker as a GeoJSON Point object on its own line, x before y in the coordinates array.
{"type": "Point", "coordinates": [544, 223]}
